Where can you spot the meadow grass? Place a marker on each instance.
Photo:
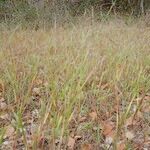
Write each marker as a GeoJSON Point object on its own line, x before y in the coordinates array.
{"type": "Point", "coordinates": [52, 79]}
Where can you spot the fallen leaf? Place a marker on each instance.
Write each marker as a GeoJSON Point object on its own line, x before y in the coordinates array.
{"type": "Point", "coordinates": [121, 146]}
{"type": "Point", "coordinates": [77, 137]}
{"type": "Point", "coordinates": [2, 99]}
{"type": "Point", "coordinates": [147, 98]}
{"type": "Point", "coordinates": [129, 121]}
{"type": "Point", "coordinates": [39, 81]}
{"type": "Point", "coordinates": [57, 141]}
{"type": "Point", "coordinates": [72, 134]}
{"type": "Point", "coordinates": [108, 129]}
{"type": "Point", "coordinates": [95, 128]}
{"type": "Point", "coordinates": [71, 143]}
{"type": "Point", "coordinates": [43, 142]}
{"type": "Point", "coordinates": [3, 105]}
{"type": "Point", "coordinates": [4, 116]}
{"type": "Point", "coordinates": [9, 131]}
{"type": "Point", "coordinates": [108, 140]}
{"type": "Point", "coordinates": [105, 86]}
{"type": "Point", "coordinates": [6, 143]}
{"type": "Point", "coordinates": [82, 119]}
{"type": "Point", "coordinates": [36, 91]}
{"type": "Point", "coordinates": [46, 84]}
{"type": "Point", "coordinates": [129, 135]}
{"type": "Point", "coordinates": [145, 108]}
{"type": "Point", "coordinates": [93, 115]}
{"type": "Point", "coordinates": [86, 147]}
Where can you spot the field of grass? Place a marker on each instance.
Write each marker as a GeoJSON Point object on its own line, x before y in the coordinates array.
{"type": "Point", "coordinates": [84, 86]}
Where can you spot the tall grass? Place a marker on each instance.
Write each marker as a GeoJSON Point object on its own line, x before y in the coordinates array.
{"type": "Point", "coordinates": [52, 77]}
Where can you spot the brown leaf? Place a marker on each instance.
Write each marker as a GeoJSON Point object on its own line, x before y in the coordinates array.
{"type": "Point", "coordinates": [71, 143]}
{"type": "Point", "coordinates": [108, 129]}
{"type": "Point", "coordinates": [4, 116]}
{"type": "Point", "coordinates": [105, 86]}
{"type": "Point", "coordinates": [9, 131]}
{"type": "Point", "coordinates": [93, 115]}
{"type": "Point", "coordinates": [86, 147]}
{"type": "Point", "coordinates": [108, 140]}
{"type": "Point", "coordinates": [3, 106]}
{"type": "Point", "coordinates": [121, 146]}
{"type": "Point", "coordinates": [2, 99]}
{"type": "Point", "coordinates": [82, 119]}
{"type": "Point", "coordinates": [46, 84]}
{"type": "Point", "coordinates": [36, 91]}
{"type": "Point", "coordinates": [130, 121]}
{"type": "Point", "coordinates": [129, 135]}
{"type": "Point", "coordinates": [39, 81]}
{"type": "Point", "coordinates": [147, 98]}
{"type": "Point", "coordinates": [78, 137]}
{"type": "Point", "coordinates": [43, 142]}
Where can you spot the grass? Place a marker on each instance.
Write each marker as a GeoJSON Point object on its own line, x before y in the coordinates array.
{"type": "Point", "coordinates": [52, 79]}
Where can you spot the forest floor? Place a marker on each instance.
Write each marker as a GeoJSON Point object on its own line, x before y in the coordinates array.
{"type": "Point", "coordinates": [86, 87]}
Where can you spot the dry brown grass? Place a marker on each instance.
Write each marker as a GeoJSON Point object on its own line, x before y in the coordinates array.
{"type": "Point", "coordinates": [78, 82]}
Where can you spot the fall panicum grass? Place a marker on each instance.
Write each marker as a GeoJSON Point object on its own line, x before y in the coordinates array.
{"type": "Point", "coordinates": [86, 85]}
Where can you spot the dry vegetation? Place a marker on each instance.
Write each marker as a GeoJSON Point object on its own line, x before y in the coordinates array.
{"type": "Point", "coordinates": [78, 87]}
